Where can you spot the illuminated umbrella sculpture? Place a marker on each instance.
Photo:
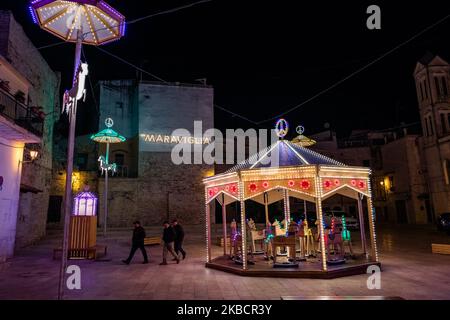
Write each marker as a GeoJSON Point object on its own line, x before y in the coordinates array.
{"type": "Point", "coordinates": [107, 136]}
{"type": "Point", "coordinates": [91, 22]}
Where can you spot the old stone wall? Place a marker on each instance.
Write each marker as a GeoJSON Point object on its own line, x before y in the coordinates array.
{"type": "Point", "coordinates": [156, 189]}
{"type": "Point", "coordinates": [164, 191]}
{"type": "Point", "coordinates": [17, 48]}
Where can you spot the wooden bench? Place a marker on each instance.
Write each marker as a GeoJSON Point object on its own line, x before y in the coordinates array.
{"type": "Point", "coordinates": [80, 253]}
{"type": "Point", "coordinates": [440, 248]}
{"type": "Point", "coordinates": [149, 241]}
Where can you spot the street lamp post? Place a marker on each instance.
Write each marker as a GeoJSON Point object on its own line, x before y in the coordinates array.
{"type": "Point", "coordinates": [91, 22]}
{"type": "Point", "coordinates": [107, 136]}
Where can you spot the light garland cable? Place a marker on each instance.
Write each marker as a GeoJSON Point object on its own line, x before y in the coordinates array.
{"type": "Point", "coordinates": [167, 82]}
{"type": "Point", "coordinates": [351, 75]}
{"type": "Point", "coordinates": [127, 23]}
{"type": "Point", "coordinates": [314, 96]}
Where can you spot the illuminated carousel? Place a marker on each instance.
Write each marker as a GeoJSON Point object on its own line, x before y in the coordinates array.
{"type": "Point", "coordinates": [322, 247]}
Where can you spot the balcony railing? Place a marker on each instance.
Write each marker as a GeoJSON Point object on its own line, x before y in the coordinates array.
{"type": "Point", "coordinates": [21, 114]}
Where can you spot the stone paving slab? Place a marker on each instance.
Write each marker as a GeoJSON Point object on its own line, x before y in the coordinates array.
{"type": "Point", "coordinates": [410, 271]}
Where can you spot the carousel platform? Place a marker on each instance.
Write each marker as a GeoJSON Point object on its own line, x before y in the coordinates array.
{"type": "Point", "coordinates": [312, 268]}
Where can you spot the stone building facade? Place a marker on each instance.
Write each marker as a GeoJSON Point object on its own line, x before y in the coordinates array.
{"type": "Point", "coordinates": [148, 185]}
{"type": "Point", "coordinates": [398, 184]}
{"type": "Point", "coordinates": [432, 77]}
{"type": "Point", "coordinates": [84, 174]}
{"type": "Point", "coordinates": [27, 79]}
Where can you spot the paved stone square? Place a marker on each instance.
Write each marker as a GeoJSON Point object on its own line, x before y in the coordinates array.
{"type": "Point", "coordinates": [410, 271]}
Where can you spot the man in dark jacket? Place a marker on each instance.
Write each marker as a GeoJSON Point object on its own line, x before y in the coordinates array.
{"type": "Point", "coordinates": [168, 240]}
{"type": "Point", "coordinates": [179, 237]}
{"type": "Point", "coordinates": [137, 243]}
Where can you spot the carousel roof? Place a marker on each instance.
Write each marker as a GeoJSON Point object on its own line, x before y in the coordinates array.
{"type": "Point", "coordinates": [289, 154]}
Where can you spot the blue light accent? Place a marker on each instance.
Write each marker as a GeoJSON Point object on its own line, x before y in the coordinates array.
{"type": "Point", "coordinates": [33, 15]}
{"type": "Point", "coordinates": [124, 28]}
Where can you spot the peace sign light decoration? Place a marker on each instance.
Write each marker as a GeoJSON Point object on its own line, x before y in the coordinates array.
{"type": "Point", "coordinates": [281, 128]}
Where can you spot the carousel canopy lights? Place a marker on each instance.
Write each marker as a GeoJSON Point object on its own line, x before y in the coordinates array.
{"type": "Point", "coordinates": [99, 21]}
{"type": "Point", "coordinates": [285, 153]}
{"type": "Point", "coordinates": [289, 154]}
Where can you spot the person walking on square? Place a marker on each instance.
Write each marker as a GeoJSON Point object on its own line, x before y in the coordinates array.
{"type": "Point", "coordinates": [137, 243]}
{"type": "Point", "coordinates": [179, 237]}
{"type": "Point", "coordinates": [168, 240]}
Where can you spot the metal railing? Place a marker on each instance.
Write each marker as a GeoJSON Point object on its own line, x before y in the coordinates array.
{"type": "Point", "coordinates": [20, 114]}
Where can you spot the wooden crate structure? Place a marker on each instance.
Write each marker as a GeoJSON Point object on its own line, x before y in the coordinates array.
{"type": "Point", "coordinates": [440, 248]}
{"type": "Point", "coordinates": [82, 237]}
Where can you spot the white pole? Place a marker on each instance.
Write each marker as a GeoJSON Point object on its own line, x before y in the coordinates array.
{"type": "Point", "coordinates": [69, 170]}
{"type": "Point", "coordinates": [361, 224]}
{"type": "Point", "coordinates": [106, 191]}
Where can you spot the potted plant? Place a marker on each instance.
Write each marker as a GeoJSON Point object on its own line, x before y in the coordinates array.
{"type": "Point", "coordinates": [20, 96]}
{"type": "Point", "coordinates": [4, 85]}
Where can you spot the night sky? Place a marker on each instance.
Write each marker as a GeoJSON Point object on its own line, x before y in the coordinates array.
{"type": "Point", "coordinates": [264, 57]}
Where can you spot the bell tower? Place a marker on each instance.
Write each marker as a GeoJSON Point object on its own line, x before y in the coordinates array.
{"type": "Point", "coordinates": [432, 76]}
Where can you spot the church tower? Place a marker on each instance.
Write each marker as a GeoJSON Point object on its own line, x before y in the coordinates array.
{"type": "Point", "coordinates": [432, 77]}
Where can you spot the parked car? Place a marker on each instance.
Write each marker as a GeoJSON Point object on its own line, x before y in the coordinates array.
{"type": "Point", "coordinates": [351, 221]}
{"type": "Point", "coordinates": [443, 222]}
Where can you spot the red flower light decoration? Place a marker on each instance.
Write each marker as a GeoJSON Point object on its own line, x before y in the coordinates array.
{"type": "Point", "coordinates": [337, 183]}
{"type": "Point", "coordinates": [265, 184]}
{"type": "Point", "coordinates": [291, 183]}
{"type": "Point", "coordinates": [211, 192]}
{"type": "Point", "coordinates": [305, 184]}
{"type": "Point", "coordinates": [327, 184]}
{"type": "Point", "coordinates": [216, 190]}
{"type": "Point", "coordinates": [253, 187]}
{"type": "Point", "coordinates": [353, 182]}
{"type": "Point", "coordinates": [233, 188]}
{"type": "Point", "coordinates": [361, 184]}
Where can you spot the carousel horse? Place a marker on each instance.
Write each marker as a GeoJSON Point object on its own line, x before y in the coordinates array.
{"type": "Point", "coordinates": [256, 235]}
{"type": "Point", "coordinates": [268, 241]}
{"type": "Point", "coordinates": [301, 239]}
{"type": "Point", "coordinates": [335, 243]}
{"type": "Point", "coordinates": [235, 240]}
{"type": "Point", "coordinates": [280, 230]}
{"type": "Point", "coordinates": [78, 91]}
{"type": "Point", "coordinates": [309, 243]}
{"type": "Point", "coordinates": [106, 166]}
{"type": "Point", "coordinates": [346, 238]}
